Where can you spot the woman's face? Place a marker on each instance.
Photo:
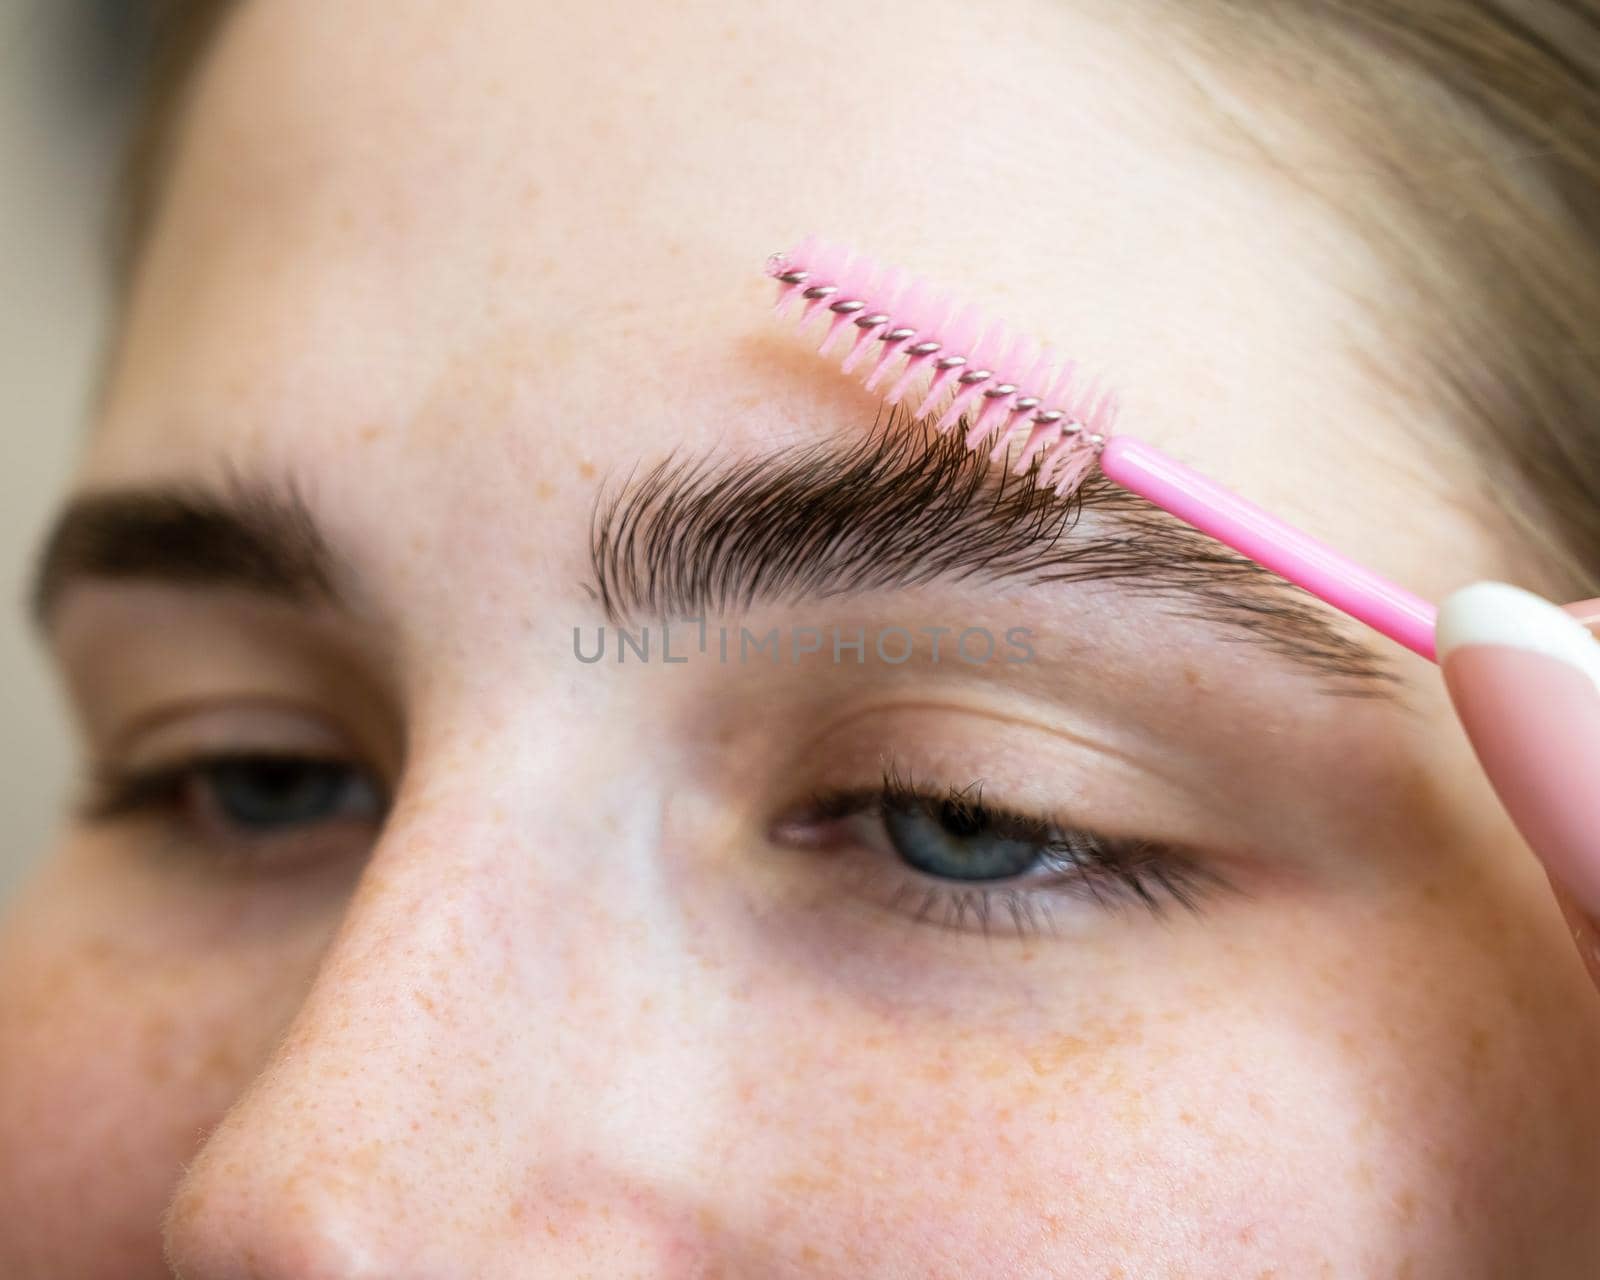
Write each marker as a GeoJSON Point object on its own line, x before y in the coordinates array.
{"type": "Point", "coordinates": [514, 964]}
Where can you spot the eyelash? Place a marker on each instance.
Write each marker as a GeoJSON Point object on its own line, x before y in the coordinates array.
{"type": "Point", "coordinates": [167, 792]}
{"type": "Point", "coordinates": [1073, 862]}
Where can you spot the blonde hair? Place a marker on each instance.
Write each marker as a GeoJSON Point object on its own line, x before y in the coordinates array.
{"type": "Point", "coordinates": [1478, 122]}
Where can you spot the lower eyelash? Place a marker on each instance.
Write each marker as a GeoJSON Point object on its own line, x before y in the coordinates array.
{"type": "Point", "coordinates": [1027, 909]}
{"type": "Point", "coordinates": [958, 909]}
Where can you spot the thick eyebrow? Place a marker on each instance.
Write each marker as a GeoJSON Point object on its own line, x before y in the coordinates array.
{"type": "Point", "coordinates": [902, 506]}
{"type": "Point", "coordinates": [249, 537]}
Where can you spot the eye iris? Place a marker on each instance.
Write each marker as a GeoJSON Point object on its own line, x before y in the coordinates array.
{"type": "Point", "coordinates": [269, 794]}
{"type": "Point", "coordinates": [958, 842]}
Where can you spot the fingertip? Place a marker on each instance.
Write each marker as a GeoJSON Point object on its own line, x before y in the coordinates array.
{"type": "Point", "coordinates": [1524, 677]}
{"type": "Point", "coordinates": [1498, 614]}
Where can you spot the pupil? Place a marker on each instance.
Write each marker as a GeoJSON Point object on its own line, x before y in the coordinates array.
{"type": "Point", "coordinates": [277, 793]}
{"type": "Point", "coordinates": [960, 819]}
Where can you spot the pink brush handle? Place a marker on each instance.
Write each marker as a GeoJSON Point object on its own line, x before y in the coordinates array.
{"type": "Point", "coordinates": [1249, 530]}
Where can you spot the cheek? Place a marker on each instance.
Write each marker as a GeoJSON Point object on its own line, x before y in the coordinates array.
{"type": "Point", "coordinates": [1342, 1100]}
{"type": "Point", "coordinates": [120, 1055]}
{"type": "Point", "coordinates": [1321, 1090]}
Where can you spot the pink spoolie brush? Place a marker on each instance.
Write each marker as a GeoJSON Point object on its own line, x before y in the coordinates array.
{"type": "Point", "coordinates": [901, 328]}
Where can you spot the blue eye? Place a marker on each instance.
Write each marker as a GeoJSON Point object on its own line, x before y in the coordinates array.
{"type": "Point", "coordinates": [954, 840]}
{"type": "Point", "coordinates": [947, 857]}
{"type": "Point", "coordinates": [267, 795]}
{"type": "Point", "coordinates": [252, 810]}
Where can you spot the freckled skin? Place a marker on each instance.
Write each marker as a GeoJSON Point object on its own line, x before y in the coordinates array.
{"type": "Point", "coordinates": [569, 1018]}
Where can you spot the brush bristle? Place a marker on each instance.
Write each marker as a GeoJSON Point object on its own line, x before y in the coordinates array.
{"type": "Point", "coordinates": [905, 336]}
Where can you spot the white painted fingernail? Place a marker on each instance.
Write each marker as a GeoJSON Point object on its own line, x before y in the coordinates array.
{"type": "Point", "coordinates": [1494, 613]}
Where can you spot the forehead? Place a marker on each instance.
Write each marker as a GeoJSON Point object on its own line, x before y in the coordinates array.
{"type": "Point", "coordinates": [531, 236]}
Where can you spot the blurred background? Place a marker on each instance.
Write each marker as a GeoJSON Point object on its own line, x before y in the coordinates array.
{"type": "Point", "coordinates": [68, 69]}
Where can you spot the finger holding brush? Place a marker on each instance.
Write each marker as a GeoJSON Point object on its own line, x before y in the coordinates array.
{"type": "Point", "coordinates": [1524, 677]}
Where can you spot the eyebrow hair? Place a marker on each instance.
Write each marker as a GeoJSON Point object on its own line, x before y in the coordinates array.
{"type": "Point", "coordinates": [903, 506]}
{"type": "Point", "coordinates": [246, 536]}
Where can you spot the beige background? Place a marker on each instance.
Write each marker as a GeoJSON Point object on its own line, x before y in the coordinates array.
{"type": "Point", "coordinates": [61, 105]}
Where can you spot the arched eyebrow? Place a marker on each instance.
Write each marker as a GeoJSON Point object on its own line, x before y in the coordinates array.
{"type": "Point", "coordinates": [901, 507]}
{"type": "Point", "coordinates": [895, 509]}
{"type": "Point", "coordinates": [256, 538]}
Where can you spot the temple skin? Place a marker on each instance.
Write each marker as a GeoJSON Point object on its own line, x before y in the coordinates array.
{"type": "Point", "coordinates": [451, 271]}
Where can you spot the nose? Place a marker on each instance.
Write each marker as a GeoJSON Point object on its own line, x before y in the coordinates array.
{"type": "Point", "coordinates": [498, 1071]}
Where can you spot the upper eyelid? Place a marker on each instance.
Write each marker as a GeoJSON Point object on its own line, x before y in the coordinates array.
{"type": "Point", "coordinates": [1014, 718]}
{"type": "Point", "coordinates": [210, 710]}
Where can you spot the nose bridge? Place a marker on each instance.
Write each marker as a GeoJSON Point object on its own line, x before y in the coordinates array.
{"type": "Point", "coordinates": [506, 1009]}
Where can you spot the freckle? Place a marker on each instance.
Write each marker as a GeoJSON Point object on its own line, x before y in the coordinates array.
{"type": "Point", "coordinates": [1477, 1049]}
{"type": "Point", "coordinates": [807, 1183]}
{"type": "Point", "coordinates": [935, 1072]}
{"type": "Point", "coordinates": [1057, 1054]}
{"type": "Point", "coordinates": [425, 1000]}
{"type": "Point", "coordinates": [586, 470]}
{"type": "Point", "coordinates": [98, 950]}
{"type": "Point", "coordinates": [369, 432]}
{"type": "Point", "coordinates": [221, 1064]}
{"type": "Point", "coordinates": [544, 490]}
